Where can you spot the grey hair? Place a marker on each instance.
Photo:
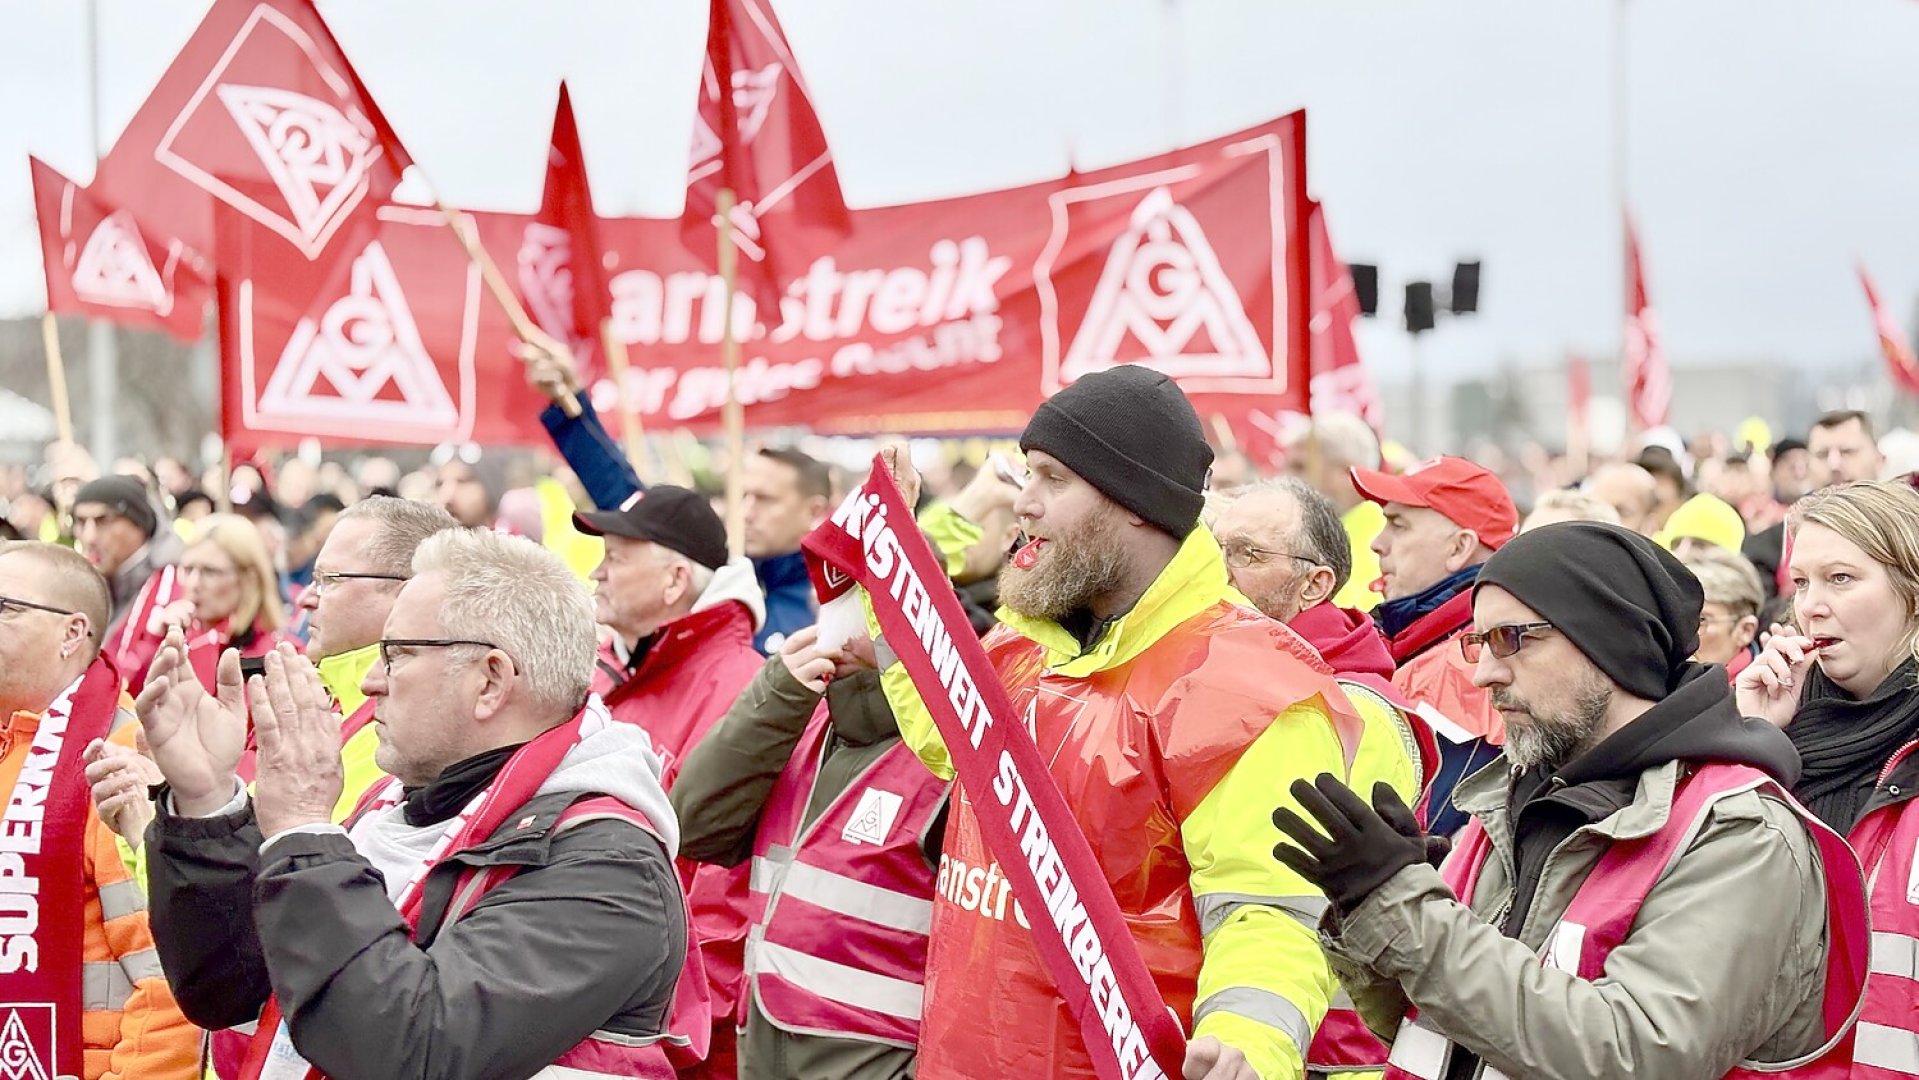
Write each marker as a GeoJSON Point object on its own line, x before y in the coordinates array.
{"type": "Point", "coordinates": [1345, 438]}
{"type": "Point", "coordinates": [401, 526]}
{"type": "Point", "coordinates": [701, 578]}
{"type": "Point", "coordinates": [1582, 505]}
{"type": "Point", "coordinates": [516, 594]}
{"type": "Point", "coordinates": [1318, 529]}
{"type": "Point", "coordinates": [1727, 578]}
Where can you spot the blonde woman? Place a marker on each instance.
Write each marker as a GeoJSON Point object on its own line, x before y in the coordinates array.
{"type": "Point", "coordinates": [1844, 684]}
{"type": "Point", "coordinates": [222, 594]}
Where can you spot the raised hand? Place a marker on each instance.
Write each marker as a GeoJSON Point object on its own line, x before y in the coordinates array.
{"type": "Point", "coordinates": [898, 459]}
{"type": "Point", "coordinates": [550, 366]}
{"type": "Point", "coordinates": [300, 777]}
{"type": "Point", "coordinates": [196, 737]}
{"type": "Point", "coordinates": [810, 665]}
{"type": "Point", "coordinates": [120, 777]}
{"type": "Point", "coordinates": [1771, 686]}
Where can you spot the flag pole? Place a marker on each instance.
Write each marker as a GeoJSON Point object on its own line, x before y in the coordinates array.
{"type": "Point", "coordinates": [734, 413]}
{"type": "Point", "coordinates": [632, 434]}
{"type": "Point", "coordinates": [495, 284]}
{"type": "Point", "coordinates": [57, 378]}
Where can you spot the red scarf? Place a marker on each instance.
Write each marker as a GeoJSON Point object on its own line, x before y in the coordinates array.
{"type": "Point", "coordinates": [871, 540]}
{"type": "Point", "coordinates": [1433, 627]}
{"type": "Point", "coordinates": [43, 882]}
{"type": "Point", "coordinates": [271, 1053]}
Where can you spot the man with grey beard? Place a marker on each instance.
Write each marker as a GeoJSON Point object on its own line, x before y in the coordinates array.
{"type": "Point", "coordinates": [1638, 829]}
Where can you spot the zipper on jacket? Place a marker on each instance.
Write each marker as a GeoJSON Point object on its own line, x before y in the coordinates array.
{"type": "Point", "coordinates": [1894, 761]}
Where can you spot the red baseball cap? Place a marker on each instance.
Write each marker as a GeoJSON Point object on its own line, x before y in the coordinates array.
{"type": "Point", "coordinates": [1467, 494]}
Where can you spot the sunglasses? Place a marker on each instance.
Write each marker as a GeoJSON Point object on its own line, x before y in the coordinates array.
{"type": "Point", "coordinates": [1503, 640]}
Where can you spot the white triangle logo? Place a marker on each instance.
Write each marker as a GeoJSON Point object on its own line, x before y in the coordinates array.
{"type": "Point", "coordinates": [364, 343]}
{"type": "Point", "coordinates": [317, 157]}
{"type": "Point", "coordinates": [18, 1058]}
{"type": "Point", "coordinates": [753, 93]}
{"type": "Point", "coordinates": [1164, 288]}
{"type": "Point", "coordinates": [546, 281]}
{"type": "Point", "coordinates": [114, 268]}
{"type": "Point", "coordinates": [873, 818]}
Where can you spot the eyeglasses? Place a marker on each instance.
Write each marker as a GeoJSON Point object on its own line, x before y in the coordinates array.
{"type": "Point", "coordinates": [326, 579]}
{"type": "Point", "coordinates": [9, 605]}
{"type": "Point", "coordinates": [388, 645]}
{"type": "Point", "coordinates": [1241, 556]}
{"type": "Point", "coordinates": [1502, 640]}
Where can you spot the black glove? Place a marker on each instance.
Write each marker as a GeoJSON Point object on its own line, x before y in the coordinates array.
{"type": "Point", "coordinates": [1367, 845]}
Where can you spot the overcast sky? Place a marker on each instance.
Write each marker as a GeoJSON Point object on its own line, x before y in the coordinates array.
{"type": "Point", "coordinates": [1772, 142]}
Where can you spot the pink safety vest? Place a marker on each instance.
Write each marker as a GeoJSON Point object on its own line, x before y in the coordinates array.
{"type": "Point", "coordinates": [1603, 910]}
{"type": "Point", "coordinates": [841, 910]}
{"type": "Point", "coordinates": [1886, 1044]}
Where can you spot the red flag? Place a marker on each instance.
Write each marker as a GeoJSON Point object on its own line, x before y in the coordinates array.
{"type": "Point", "coordinates": [100, 264]}
{"type": "Point", "coordinates": [1892, 341]}
{"type": "Point", "coordinates": [1648, 380]}
{"type": "Point", "coordinates": [262, 112]}
{"type": "Point", "coordinates": [1339, 381]}
{"type": "Point", "coordinates": [764, 142]}
{"type": "Point", "coordinates": [1579, 390]}
{"type": "Point", "coordinates": [561, 276]}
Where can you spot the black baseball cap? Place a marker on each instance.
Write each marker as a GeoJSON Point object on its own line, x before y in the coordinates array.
{"type": "Point", "coordinates": [672, 517]}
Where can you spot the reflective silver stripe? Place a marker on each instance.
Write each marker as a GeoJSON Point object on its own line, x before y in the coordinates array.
{"type": "Point", "coordinates": [1215, 908]}
{"type": "Point", "coordinates": [1487, 1072]}
{"type": "Point", "coordinates": [1886, 1047]}
{"type": "Point", "coordinates": [144, 964]}
{"type": "Point", "coordinates": [103, 986]}
{"type": "Point", "coordinates": [837, 982]}
{"type": "Point", "coordinates": [1343, 1000]}
{"type": "Point", "coordinates": [1420, 1051]}
{"type": "Point", "coordinates": [121, 898]}
{"type": "Point", "coordinates": [246, 1029]}
{"type": "Point", "coordinates": [1895, 954]}
{"type": "Point", "coordinates": [1260, 1005]}
{"type": "Point", "coordinates": [850, 896]}
{"type": "Point", "coordinates": [769, 869]}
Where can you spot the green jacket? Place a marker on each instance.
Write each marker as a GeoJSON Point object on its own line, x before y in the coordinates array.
{"type": "Point", "coordinates": [1726, 962]}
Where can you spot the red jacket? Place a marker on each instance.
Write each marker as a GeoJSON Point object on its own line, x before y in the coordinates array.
{"type": "Point", "coordinates": [697, 666]}
{"type": "Point", "coordinates": [137, 641]}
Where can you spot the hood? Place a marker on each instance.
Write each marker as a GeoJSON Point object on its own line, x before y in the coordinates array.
{"type": "Point", "coordinates": [1348, 640]}
{"type": "Point", "coordinates": [735, 581]}
{"type": "Point", "coordinates": [1697, 722]}
{"type": "Point", "coordinates": [617, 759]}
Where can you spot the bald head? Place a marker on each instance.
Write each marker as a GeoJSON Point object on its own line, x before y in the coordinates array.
{"type": "Point", "coordinates": [62, 578]}
{"type": "Point", "coordinates": [1629, 490]}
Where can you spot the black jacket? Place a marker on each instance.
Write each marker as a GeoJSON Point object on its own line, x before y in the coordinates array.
{"type": "Point", "coordinates": [589, 934]}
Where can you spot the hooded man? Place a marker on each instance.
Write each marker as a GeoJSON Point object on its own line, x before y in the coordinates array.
{"type": "Point", "coordinates": [1444, 518]}
{"type": "Point", "coordinates": [1656, 905]}
{"type": "Point", "coordinates": [1166, 710]}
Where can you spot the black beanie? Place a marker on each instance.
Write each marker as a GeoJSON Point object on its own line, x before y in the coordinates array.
{"type": "Point", "coordinates": [1621, 599]}
{"type": "Point", "coordinates": [1132, 434]}
{"type": "Point", "coordinates": [123, 495]}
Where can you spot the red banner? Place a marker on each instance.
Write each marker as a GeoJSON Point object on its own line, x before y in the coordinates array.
{"type": "Point", "coordinates": [100, 264]}
{"type": "Point", "coordinates": [1085, 944]}
{"type": "Point", "coordinates": [1900, 362]}
{"type": "Point", "coordinates": [945, 317]}
{"type": "Point", "coordinates": [260, 112]}
{"type": "Point", "coordinates": [561, 276]}
{"type": "Point", "coordinates": [1648, 380]}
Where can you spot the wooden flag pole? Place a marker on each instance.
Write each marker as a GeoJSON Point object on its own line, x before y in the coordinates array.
{"type": "Point", "coordinates": [57, 378]}
{"type": "Point", "coordinates": [632, 434]}
{"type": "Point", "coordinates": [496, 284]}
{"type": "Point", "coordinates": [735, 412]}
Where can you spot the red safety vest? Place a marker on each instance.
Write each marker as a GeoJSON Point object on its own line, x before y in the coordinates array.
{"type": "Point", "coordinates": [841, 909]}
{"type": "Point", "coordinates": [1886, 1044]}
{"type": "Point", "coordinates": [1133, 749]}
{"type": "Point", "coordinates": [1603, 910]}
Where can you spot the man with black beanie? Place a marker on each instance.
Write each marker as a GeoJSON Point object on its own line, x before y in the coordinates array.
{"type": "Point", "coordinates": [1167, 713]}
{"type": "Point", "coordinates": [120, 532]}
{"type": "Point", "coordinates": [1638, 838]}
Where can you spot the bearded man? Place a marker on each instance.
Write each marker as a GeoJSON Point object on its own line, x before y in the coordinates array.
{"type": "Point", "coordinates": [1168, 715]}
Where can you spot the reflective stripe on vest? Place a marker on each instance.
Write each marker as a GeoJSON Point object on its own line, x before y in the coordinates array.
{"type": "Point", "coordinates": [1599, 918]}
{"type": "Point", "coordinates": [842, 908]}
{"type": "Point", "coordinates": [1887, 1042]}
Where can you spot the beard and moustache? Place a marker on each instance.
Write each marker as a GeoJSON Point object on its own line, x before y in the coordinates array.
{"type": "Point", "coordinates": [1074, 568]}
{"type": "Point", "coordinates": [1551, 739]}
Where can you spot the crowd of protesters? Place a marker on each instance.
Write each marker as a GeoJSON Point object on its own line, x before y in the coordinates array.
{"type": "Point", "coordinates": [489, 769]}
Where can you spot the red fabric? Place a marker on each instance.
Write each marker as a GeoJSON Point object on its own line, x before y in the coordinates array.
{"type": "Point", "coordinates": [698, 666]}
{"type": "Point", "coordinates": [1648, 379]}
{"type": "Point", "coordinates": [260, 112]}
{"type": "Point", "coordinates": [1738, 664]}
{"type": "Point", "coordinates": [561, 276]}
{"type": "Point", "coordinates": [101, 264]}
{"type": "Point", "coordinates": [1887, 841]}
{"type": "Point", "coordinates": [139, 639]}
{"type": "Point", "coordinates": [959, 315]}
{"type": "Point", "coordinates": [859, 838]}
{"type": "Point", "coordinates": [1432, 628]}
{"type": "Point", "coordinates": [1349, 641]}
{"type": "Point", "coordinates": [761, 139]}
{"type": "Point", "coordinates": [1469, 495]}
{"type": "Point", "coordinates": [1901, 364]}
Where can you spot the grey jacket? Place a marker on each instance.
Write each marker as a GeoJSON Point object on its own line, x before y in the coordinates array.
{"type": "Point", "coordinates": [1726, 962]}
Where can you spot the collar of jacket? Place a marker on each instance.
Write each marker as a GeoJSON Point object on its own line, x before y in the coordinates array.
{"type": "Point", "coordinates": [1348, 640]}
{"type": "Point", "coordinates": [1194, 580]}
{"type": "Point", "coordinates": [858, 709]}
{"type": "Point", "coordinates": [782, 571]}
{"type": "Point", "coordinates": [689, 634]}
{"type": "Point", "coordinates": [342, 674]}
{"type": "Point", "coordinates": [1485, 795]}
{"type": "Point", "coordinates": [1434, 627]}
